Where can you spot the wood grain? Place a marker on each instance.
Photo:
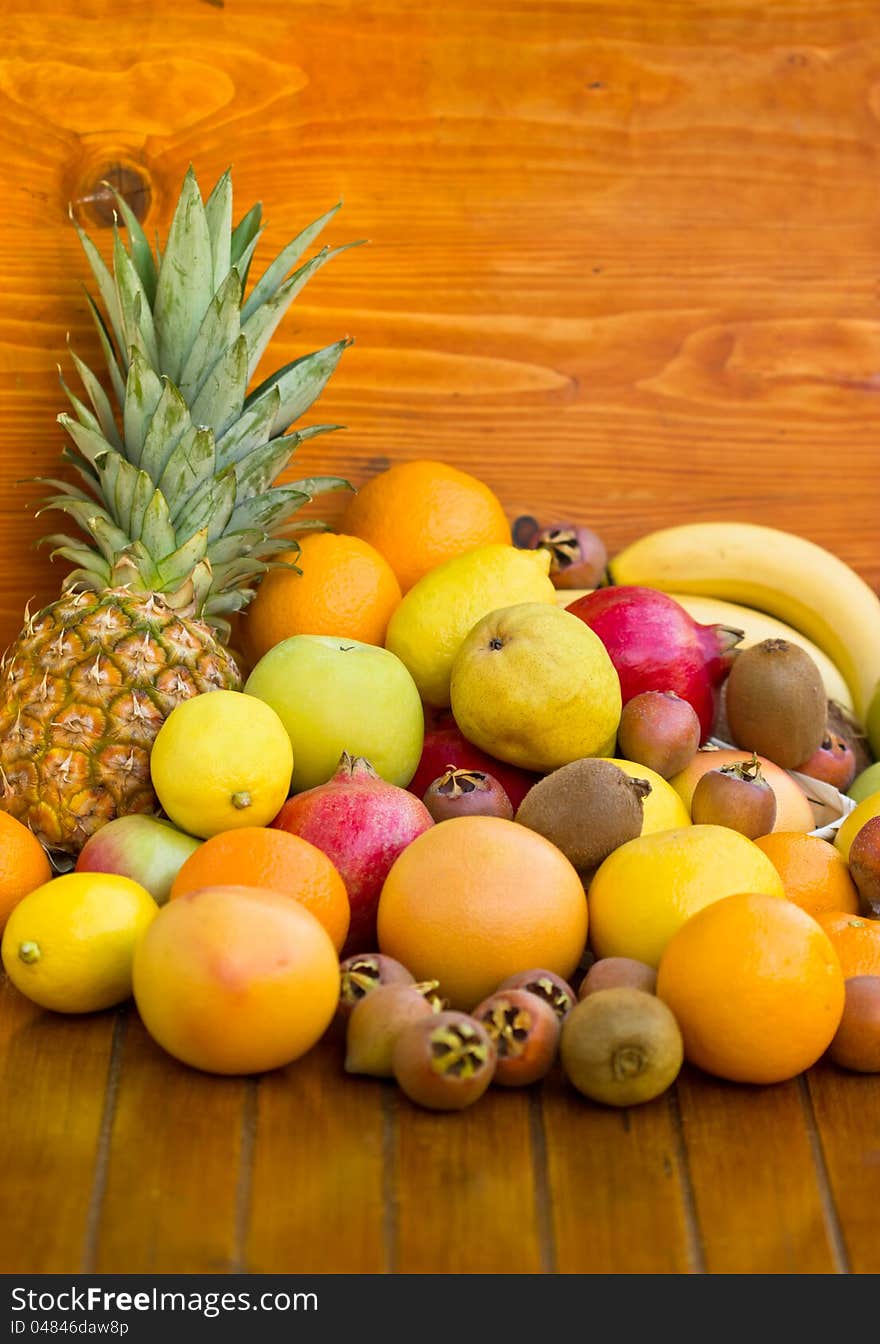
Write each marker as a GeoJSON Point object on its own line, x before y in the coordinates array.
{"type": "Point", "coordinates": [468, 1188]}
{"type": "Point", "coordinates": [173, 1166]}
{"type": "Point", "coordinates": [847, 1112]}
{"type": "Point", "coordinates": [619, 1191]}
{"type": "Point", "coordinates": [319, 1190]}
{"type": "Point", "coordinates": [758, 1201]}
{"type": "Point", "coordinates": [53, 1076]}
{"type": "Point", "coordinates": [622, 261]}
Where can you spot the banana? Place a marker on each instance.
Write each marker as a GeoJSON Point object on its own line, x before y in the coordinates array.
{"type": "Point", "coordinates": [776, 572]}
{"type": "Point", "coordinates": [755, 625]}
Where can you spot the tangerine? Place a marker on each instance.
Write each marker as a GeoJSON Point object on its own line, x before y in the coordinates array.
{"type": "Point", "coordinates": [855, 940]}
{"type": "Point", "coordinates": [755, 986]}
{"type": "Point", "coordinates": [24, 864]}
{"type": "Point", "coordinates": [814, 874]}
{"type": "Point", "coordinates": [420, 513]}
{"type": "Point", "coordinates": [476, 899]}
{"type": "Point", "coordinates": [277, 861]}
{"type": "Point", "coordinates": [345, 588]}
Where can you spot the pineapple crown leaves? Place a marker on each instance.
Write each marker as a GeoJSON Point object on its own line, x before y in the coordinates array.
{"type": "Point", "coordinates": [179, 476]}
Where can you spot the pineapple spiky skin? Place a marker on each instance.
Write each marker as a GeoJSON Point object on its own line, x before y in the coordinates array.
{"type": "Point", "coordinates": [84, 690]}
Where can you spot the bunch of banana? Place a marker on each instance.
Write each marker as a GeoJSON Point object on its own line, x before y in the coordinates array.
{"type": "Point", "coordinates": [771, 572]}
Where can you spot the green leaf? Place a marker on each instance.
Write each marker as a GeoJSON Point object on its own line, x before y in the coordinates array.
{"type": "Point", "coordinates": [186, 280]}
{"type": "Point", "coordinates": [262, 466]}
{"type": "Point", "coordinates": [218, 212]}
{"type": "Point", "coordinates": [267, 510]}
{"type": "Point", "coordinates": [273, 275]}
{"type": "Point", "coordinates": [141, 252]}
{"type": "Point", "coordinates": [99, 399]}
{"type": "Point", "coordinates": [252, 541]}
{"type": "Point", "coordinates": [92, 445]}
{"type": "Point", "coordinates": [219, 330]}
{"type": "Point", "coordinates": [237, 573]}
{"type": "Point", "coordinates": [143, 392]}
{"type": "Point", "coordinates": [209, 506]}
{"type": "Point", "coordinates": [83, 469]}
{"type": "Point", "coordinates": [177, 566]}
{"type": "Point", "coordinates": [140, 502]}
{"type": "Point", "coordinates": [157, 534]}
{"type": "Point", "coordinates": [138, 555]}
{"type": "Point", "coordinates": [244, 240]}
{"type": "Point", "coordinates": [250, 431]}
{"type": "Point", "coordinates": [105, 282]}
{"type": "Point", "coordinates": [320, 485]}
{"type": "Point", "coordinates": [134, 306]}
{"type": "Point", "coordinates": [116, 376]}
{"type": "Point", "coordinates": [191, 463]}
{"type": "Point", "coordinates": [300, 383]}
{"type": "Point", "coordinates": [262, 324]}
{"type": "Point", "coordinates": [90, 561]}
{"type": "Point", "coordinates": [127, 478]}
{"type": "Point", "coordinates": [83, 414]}
{"type": "Point", "coordinates": [220, 401]}
{"type": "Point", "coordinates": [65, 488]}
{"type": "Point", "coordinates": [170, 422]}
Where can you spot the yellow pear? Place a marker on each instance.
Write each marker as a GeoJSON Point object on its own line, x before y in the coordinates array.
{"type": "Point", "coordinates": [533, 685]}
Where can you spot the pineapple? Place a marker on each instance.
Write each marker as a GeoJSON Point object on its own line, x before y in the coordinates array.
{"type": "Point", "coordinates": [177, 505]}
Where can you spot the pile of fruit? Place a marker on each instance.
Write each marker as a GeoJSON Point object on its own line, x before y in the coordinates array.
{"type": "Point", "coordinates": [460, 787]}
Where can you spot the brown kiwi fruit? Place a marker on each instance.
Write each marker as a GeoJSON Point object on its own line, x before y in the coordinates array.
{"type": "Point", "coordinates": [621, 1046]}
{"type": "Point", "coordinates": [776, 702]}
{"type": "Point", "coordinates": [586, 808]}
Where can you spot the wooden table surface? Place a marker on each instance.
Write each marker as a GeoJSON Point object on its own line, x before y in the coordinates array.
{"type": "Point", "coordinates": [624, 262]}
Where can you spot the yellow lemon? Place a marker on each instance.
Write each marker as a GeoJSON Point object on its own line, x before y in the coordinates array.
{"type": "Point", "coordinates": [220, 761]}
{"type": "Point", "coordinates": [849, 828]}
{"type": "Point", "coordinates": [663, 809]}
{"type": "Point", "coordinates": [533, 685]}
{"type": "Point", "coordinates": [643, 892]}
{"type": "Point", "coordinates": [70, 943]}
{"type": "Point", "coordinates": [428, 627]}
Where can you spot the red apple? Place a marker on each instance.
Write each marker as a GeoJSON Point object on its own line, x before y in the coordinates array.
{"type": "Point", "coordinates": [147, 849]}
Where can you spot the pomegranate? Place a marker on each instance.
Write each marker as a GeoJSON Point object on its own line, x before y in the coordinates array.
{"type": "Point", "coordinates": [362, 823]}
{"type": "Point", "coordinates": [655, 645]}
{"type": "Point", "coordinates": [446, 748]}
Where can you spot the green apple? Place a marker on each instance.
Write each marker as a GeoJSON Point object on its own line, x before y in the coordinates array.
{"type": "Point", "coordinates": [335, 695]}
{"type": "Point", "coordinates": [866, 783]}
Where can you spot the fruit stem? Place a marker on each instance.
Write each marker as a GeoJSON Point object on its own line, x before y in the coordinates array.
{"type": "Point", "coordinates": [29, 953]}
{"type": "Point", "coordinates": [241, 800]}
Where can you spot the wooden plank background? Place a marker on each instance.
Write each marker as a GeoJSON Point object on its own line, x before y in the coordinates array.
{"type": "Point", "coordinates": [623, 263]}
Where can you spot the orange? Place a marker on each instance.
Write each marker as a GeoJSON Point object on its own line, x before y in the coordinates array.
{"type": "Point", "coordinates": [813, 873]}
{"type": "Point", "coordinates": [756, 988]}
{"type": "Point", "coordinates": [856, 941]}
{"type": "Point", "coordinates": [255, 856]}
{"type": "Point", "coordinates": [235, 979]}
{"type": "Point", "coordinates": [476, 899]}
{"type": "Point", "coordinates": [420, 513]}
{"type": "Point", "coordinates": [24, 865]}
{"type": "Point", "coordinates": [346, 588]}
